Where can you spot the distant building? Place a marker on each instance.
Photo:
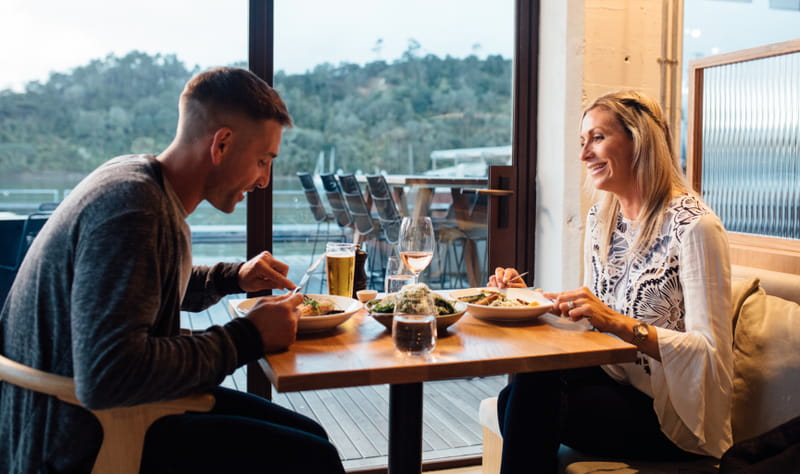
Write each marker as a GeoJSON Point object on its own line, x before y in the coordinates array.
{"type": "Point", "coordinates": [468, 161]}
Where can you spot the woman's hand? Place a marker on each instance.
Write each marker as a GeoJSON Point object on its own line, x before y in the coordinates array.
{"type": "Point", "coordinates": [582, 303]}
{"type": "Point", "coordinates": [506, 278]}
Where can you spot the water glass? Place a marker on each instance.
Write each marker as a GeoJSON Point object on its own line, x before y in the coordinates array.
{"type": "Point", "coordinates": [397, 275]}
{"type": "Point", "coordinates": [414, 324]}
{"type": "Point", "coordinates": [340, 266]}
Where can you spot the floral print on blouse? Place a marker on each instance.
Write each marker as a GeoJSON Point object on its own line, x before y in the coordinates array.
{"type": "Point", "coordinates": [645, 286]}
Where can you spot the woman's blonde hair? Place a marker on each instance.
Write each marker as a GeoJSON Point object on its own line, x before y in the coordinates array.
{"type": "Point", "coordinates": [656, 171]}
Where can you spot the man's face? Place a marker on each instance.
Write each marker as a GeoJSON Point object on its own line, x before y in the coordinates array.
{"type": "Point", "coordinates": [246, 163]}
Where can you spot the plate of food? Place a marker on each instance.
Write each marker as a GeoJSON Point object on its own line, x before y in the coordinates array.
{"type": "Point", "coordinates": [317, 313]}
{"type": "Point", "coordinates": [449, 311]}
{"type": "Point", "coordinates": [508, 304]}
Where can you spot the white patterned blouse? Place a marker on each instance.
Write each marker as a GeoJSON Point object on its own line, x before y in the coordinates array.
{"type": "Point", "coordinates": [681, 285]}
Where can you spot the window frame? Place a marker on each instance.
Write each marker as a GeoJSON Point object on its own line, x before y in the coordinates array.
{"type": "Point", "coordinates": [759, 251]}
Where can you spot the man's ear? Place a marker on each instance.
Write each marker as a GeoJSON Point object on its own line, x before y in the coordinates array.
{"type": "Point", "coordinates": [220, 144]}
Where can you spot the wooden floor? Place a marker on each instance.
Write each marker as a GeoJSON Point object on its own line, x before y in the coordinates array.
{"type": "Point", "coordinates": [356, 418]}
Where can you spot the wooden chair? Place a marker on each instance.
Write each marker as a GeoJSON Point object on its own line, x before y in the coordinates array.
{"type": "Point", "coordinates": [124, 428]}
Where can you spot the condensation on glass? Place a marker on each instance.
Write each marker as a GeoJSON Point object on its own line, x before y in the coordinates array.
{"type": "Point", "coordinates": [751, 145]}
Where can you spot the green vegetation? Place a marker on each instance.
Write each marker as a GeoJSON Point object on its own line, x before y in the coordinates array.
{"type": "Point", "coordinates": [373, 116]}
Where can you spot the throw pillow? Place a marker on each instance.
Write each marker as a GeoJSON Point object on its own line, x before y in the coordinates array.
{"type": "Point", "coordinates": [766, 365]}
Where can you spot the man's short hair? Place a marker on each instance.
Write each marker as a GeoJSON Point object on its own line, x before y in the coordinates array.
{"type": "Point", "coordinates": [229, 90]}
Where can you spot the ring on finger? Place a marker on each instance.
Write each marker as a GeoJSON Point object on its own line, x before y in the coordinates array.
{"type": "Point", "coordinates": [570, 304]}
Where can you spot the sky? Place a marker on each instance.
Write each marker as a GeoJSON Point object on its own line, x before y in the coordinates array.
{"type": "Point", "coordinates": [44, 36]}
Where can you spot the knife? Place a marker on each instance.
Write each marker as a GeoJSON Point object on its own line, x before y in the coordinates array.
{"type": "Point", "coordinates": [307, 276]}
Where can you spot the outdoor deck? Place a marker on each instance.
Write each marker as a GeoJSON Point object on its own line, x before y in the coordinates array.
{"type": "Point", "coordinates": [356, 418]}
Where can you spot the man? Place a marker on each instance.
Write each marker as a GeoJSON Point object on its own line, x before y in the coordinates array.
{"type": "Point", "coordinates": [99, 295]}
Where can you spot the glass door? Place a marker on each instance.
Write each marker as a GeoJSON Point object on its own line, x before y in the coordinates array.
{"type": "Point", "coordinates": [417, 92]}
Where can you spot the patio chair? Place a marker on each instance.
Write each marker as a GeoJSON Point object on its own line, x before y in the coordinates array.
{"type": "Point", "coordinates": [362, 218]}
{"type": "Point", "coordinates": [124, 428]}
{"type": "Point", "coordinates": [388, 213]}
{"type": "Point", "coordinates": [462, 241]}
{"type": "Point", "coordinates": [367, 226]}
{"type": "Point", "coordinates": [321, 215]}
{"type": "Point", "coordinates": [333, 192]}
{"type": "Point", "coordinates": [16, 236]}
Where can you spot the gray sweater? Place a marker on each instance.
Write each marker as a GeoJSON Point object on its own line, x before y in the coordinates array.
{"type": "Point", "coordinates": [97, 298]}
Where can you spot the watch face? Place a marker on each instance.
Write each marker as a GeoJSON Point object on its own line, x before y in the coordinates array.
{"type": "Point", "coordinates": [640, 332]}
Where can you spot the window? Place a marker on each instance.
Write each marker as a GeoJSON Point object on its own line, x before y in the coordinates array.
{"type": "Point", "coordinates": [398, 88]}
{"type": "Point", "coordinates": [87, 80]}
{"type": "Point", "coordinates": [743, 155]}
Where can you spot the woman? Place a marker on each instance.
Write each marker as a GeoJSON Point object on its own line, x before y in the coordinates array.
{"type": "Point", "coordinates": [657, 275]}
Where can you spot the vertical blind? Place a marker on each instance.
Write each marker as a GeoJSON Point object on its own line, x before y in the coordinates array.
{"type": "Point", "coordinates": [751, 145]}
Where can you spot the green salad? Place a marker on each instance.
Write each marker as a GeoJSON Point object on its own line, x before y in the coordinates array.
{"type": "Point", "coordinates": [408, 294]}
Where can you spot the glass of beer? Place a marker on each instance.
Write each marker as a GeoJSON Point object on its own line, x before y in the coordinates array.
{"type": "Point", "coordinates": [340, 266]}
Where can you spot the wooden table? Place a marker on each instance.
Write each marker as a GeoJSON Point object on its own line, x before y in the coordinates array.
{"type": "Point", "coordinates": [360, 352]}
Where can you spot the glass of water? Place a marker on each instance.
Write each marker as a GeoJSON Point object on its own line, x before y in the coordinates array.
{"type": "Point", "coordinates": [397, 276]}
{"type": "Point", "coordinates": [414, 322]}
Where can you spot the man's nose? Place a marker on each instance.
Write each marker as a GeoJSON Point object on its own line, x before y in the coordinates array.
{"type": "Point", "coordinates": [263, 180]}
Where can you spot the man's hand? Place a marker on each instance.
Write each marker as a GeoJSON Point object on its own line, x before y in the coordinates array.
{"type": "Point", "coordinates": [276, 318]}
{"type": "Point", "coordinates": [264, 272]}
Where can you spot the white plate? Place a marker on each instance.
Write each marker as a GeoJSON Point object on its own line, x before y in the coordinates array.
{"type": "Point", "coordinates": [309, 324]}
{"type": "Point", "coordinates": [498, 313]}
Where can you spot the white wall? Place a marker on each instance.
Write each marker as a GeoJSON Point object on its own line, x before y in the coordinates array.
{"type": "Point", "coordinates": [588, 48]}
{"type": "Point", "coordinates": [559, 172]}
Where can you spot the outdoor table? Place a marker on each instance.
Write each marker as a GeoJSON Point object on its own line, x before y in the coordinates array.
{"type": "Point", "coordinates": [425, 188]}
{"type": "Point", "coordinates": [360, 352]}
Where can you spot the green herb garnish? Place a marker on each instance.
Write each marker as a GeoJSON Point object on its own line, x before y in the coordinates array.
{"type": "Point", "coordinates": [311, 302]}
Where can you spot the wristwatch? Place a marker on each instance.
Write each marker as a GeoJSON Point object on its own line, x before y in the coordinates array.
{"type": "Point", "coordinates": [640, 332]}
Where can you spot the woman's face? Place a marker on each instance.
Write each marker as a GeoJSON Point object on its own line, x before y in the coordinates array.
{"type": "Point", "coordinates": [607, 152]}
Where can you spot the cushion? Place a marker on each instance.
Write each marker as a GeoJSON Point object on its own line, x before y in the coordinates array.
{"type": "Point", "coordinates": [780, 284]}
{"type": "Point", "coordinates": [766, 364]}
{"type": "Point", "coordinates": [740, 291]}
{"type": "Point", "coordinates": [487, 415]}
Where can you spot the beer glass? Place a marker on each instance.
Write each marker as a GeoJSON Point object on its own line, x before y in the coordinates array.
{"type": "Point", "coordinates": [340, 265]}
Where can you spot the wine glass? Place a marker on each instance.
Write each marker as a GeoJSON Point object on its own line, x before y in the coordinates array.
{"type": "Point", "coordinates": [416, 244]}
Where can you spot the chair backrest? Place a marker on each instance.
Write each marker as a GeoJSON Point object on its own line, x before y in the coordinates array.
{"type": "Point", "coordinates": [336, 199]}
{"type": "Point", "coordinates": [312, 196]}
{"type": "Point", "coordinates": [16, 236]}
{"type": "Point", "coordinates": [362, 219]}
{"type": "Point", "coordinates": [124, 428]}
{"type": "Point", "coordinates": [387, 209]}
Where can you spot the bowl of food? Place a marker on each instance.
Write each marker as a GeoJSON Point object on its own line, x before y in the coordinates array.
{"type": "Point", "coordinates": [317, 313]}
{"type": "Point", "coordinates": [509, 304]}
{"type": "Point", "coordinates": [448, 311]}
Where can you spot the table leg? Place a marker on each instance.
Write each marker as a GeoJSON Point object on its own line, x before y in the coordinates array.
{"type": "Point", "coordinates": [422, 205]}
{"type": "Point", "coordinates": [405, 428]}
